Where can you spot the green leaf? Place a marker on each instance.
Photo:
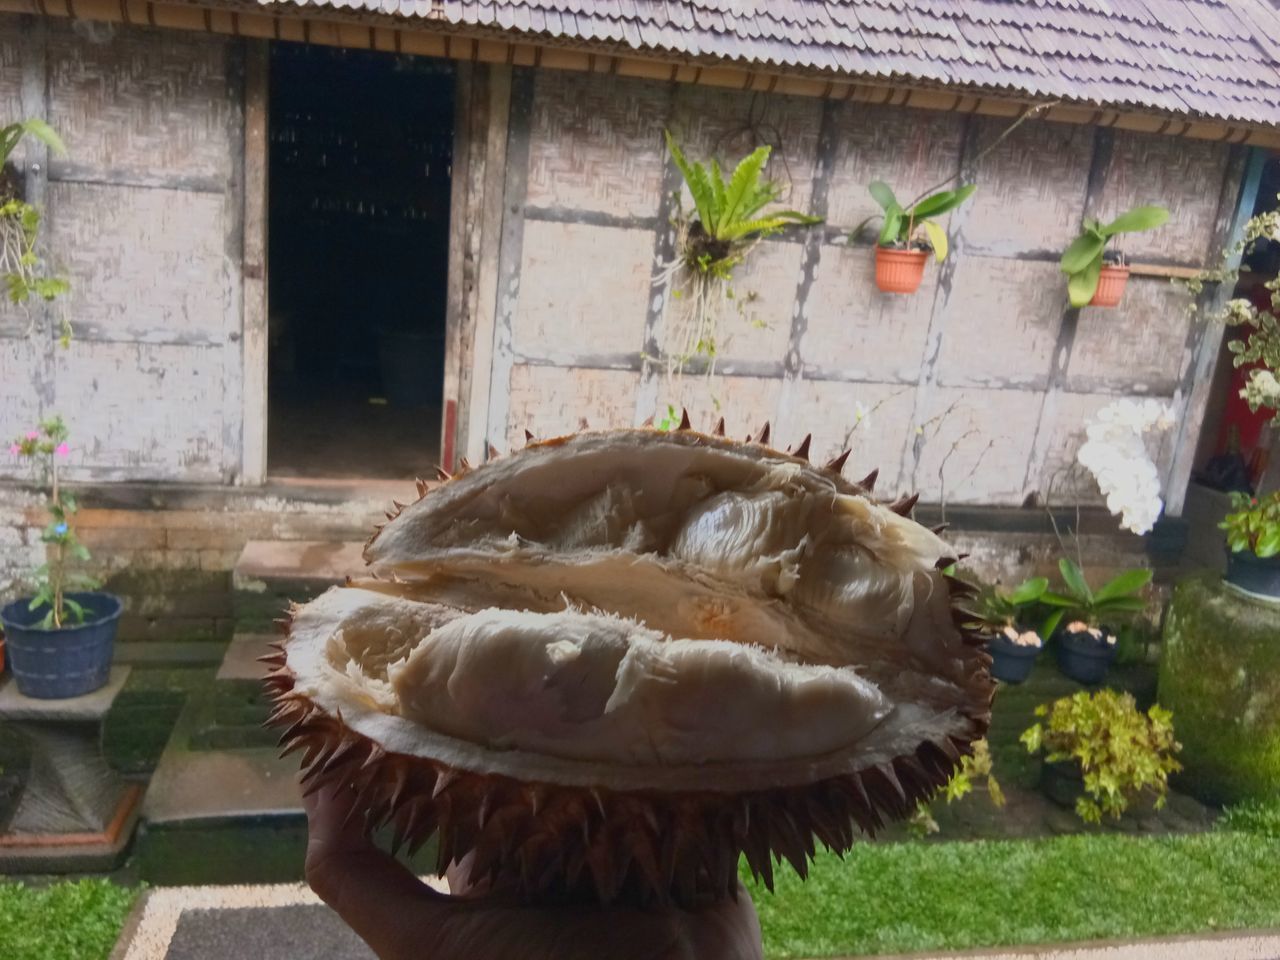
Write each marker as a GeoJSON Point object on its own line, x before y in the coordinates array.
{"type": "Point", "coordinates": [1051, 623]}
{"type": "Point", "coordinates": [882, 195]}
{"type": "Point", "coordinates": [1029, 591]}
{"type": "Point", "coordinates": [746, 177]}
{"type": "Point", "coordinates": [1058, 600]}
{"type": "Point", "coordinates": [1121, 605]}
{"type": "Point", "coordinates": [1083, 249]}
{"type": "Point", "coordinates": [1268, 544]}
{"type": "Point", "coordinates": [699, 183]}
{"type": "Point", "coordinates": [893, 224]}
{"type": "Point", "coordinates": [937, 239]}
{"type": "Point", "coordinates": [1083, 285]}
{"type": "Point", "coordinates": [1126, 584]}
{"type": "Point", "coordinates": [77, 611]}
{"type": "Point", "coordinates": [1137, 219]}
{"type": "Point", "coordinates": [1073, 577]}
{"type": "Point", "coordinates": [944, 201]}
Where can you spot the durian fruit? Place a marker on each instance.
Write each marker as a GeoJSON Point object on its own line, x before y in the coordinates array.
{"type": "Point", "coordinates": [610, 664]}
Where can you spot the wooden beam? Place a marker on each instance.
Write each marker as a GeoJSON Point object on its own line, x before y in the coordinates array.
{"type": "Point", "coordinates": [254, 352]}
{"type": "Point", "coordinates": [457, 317]}
{"type": "Point", "coordinates": [1239, 194]}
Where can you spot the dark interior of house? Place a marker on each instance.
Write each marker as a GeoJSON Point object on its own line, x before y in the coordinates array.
{"type": "Point", "coordinates": [360, 166]}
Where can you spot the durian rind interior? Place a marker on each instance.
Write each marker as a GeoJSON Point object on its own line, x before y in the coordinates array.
{"type": "Point", "coordinates": [641, 610]}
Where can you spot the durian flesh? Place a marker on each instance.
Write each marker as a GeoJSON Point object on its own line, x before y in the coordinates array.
{"type": "Point", "coordinates": [650, 612]}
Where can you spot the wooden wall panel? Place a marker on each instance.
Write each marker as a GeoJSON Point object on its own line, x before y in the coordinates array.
{"type": "Point", "coordinates": [553, 401]}
{"type": "Point", "coordinates": [134, 103]}
{"type": "Point", "coordinates": [1140, 348]}
{"type": "Point", "coordinates": [143, 411]}
{"type": "Point", "coordinates": [146, 262]}
{"type": "Point", "coordinates": [596, 143]}
{"type": "Point", "coordinates": [10, 70]}
{"type": "Point", "coordinates": [976, 444]}
{"type": "Point", "coordinates": [1030, 188]}
{"type": "Point", "coordinates": [584, 291]}
{"type": "Point", "coordinates": [20, 360]}
{"type": "Point", "coordinates": [909, 153]}
{"type": "Point", "coordinates": [1183, 175]}
{"type": "Point", "coordinates": [1002, 323]}
{"type": "Point", "coordinates": [855, 332]}
{"type": "Point", "coordinates": [745, 402]}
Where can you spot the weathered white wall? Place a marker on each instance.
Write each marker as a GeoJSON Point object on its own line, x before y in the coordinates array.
{"type": "Point", "coordinates": [982, 379]}
{"type": "Point", "coordinates": [142, 217]}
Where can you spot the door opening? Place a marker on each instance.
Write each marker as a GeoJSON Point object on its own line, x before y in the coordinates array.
{"type": "Point", "coordinates": [360, 165]}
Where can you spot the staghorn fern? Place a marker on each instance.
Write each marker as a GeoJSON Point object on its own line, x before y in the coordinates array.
{"type": "Point", "coordinates": [727, 221]}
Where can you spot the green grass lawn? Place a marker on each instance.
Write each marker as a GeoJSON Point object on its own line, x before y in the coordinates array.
{"type": "Point", "coordinates": [77, 920]}
{"type": "Point", "coordinates": [901, 897]}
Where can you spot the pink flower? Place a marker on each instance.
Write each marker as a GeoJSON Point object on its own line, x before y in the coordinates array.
{"type": "Point", "coordinates": [15, 449]}
{"type": "Point", "coordinates": [33, 434]}
{"type": "Point", "coordinates": [62, 450]}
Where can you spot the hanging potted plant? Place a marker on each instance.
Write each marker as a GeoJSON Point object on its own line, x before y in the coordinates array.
{"type": "Point", "coordinates": [1095, 277]}
{"type": "Point", "coordinates": [1001, 612]}
{"type": "Point", "coordinates": [1101, 754]}
{"type": "Point", "coordinates": [908, 235]}
{"type": "Point", "coordinates": [1253, 544]}
{"type": "Point", "coordinates": [60, 640]}
{"type": "Point", "coordinates": [727, 222]}
{"type": "Point", "coordinates": [1087, 642]}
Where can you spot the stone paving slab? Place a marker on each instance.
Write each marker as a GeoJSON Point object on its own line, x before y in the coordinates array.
{"type": "Point", "coordinates": [241, 659]}
{"type": "Point", "coordinates": [287, 921]}
{"type": "Point", "coordinates": [221, 784]}
{"type": "Point", "coordinates": [318, 561]}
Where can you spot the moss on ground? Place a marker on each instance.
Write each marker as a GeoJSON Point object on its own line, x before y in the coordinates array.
{"type": "Point", "coordinates": [77, 920]}
{"type": "Point", "coordinates": [1220, 675]}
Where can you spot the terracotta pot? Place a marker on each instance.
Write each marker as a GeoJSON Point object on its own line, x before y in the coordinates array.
{"type": "Point", "coordinates": [1111, 283]}
{"type": "Point", "coordinates": [899, 271]}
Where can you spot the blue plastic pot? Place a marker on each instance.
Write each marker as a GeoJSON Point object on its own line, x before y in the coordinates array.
{"type": "Point", "coordinates": [66, 662]}
{"type": "Point", "coordinates": [1084, 659]}
{"type": "Point", "coordinates": [1011, 662]}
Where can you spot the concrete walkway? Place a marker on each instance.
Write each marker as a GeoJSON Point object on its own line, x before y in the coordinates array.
{"type": "Point", "coordinates": [287, 922]}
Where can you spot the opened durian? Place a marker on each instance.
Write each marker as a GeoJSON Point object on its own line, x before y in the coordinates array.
{"type": "Point", "coordinates": [615, 662]}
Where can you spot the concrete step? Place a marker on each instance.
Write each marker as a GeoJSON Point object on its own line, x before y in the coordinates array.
{"type": "Point", "coordinates": [271, 574]}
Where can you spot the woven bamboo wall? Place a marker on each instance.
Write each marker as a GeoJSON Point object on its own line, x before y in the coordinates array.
{"type": "Point", "coordinates": [142, 218]}
{"type": "Point", "coordinates": [981, 381]}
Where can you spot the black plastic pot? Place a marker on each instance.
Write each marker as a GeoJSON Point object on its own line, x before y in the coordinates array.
{"type": "Point", "coordinates": [1010, 662]}
{"type": "Point", "coordinates": [1084, 659]}
{"type": "Point", "coordinates": [1254, 574]}
{"type": "Point", "coordinates": [1062, 782]}
{"type": "Point", "coordinates": [66, 662]}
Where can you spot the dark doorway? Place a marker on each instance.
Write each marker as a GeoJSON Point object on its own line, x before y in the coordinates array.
{"type": "Point", "coordinates": [360, 166]}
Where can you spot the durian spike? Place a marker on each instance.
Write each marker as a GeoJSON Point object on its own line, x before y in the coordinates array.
{"type": "Point", "coordinates": [648, 421]}
{"type": "Point", "coordinates": [492, 452]}
{"type": "Point", "coordinates": [868, 482]}
{"type": "Point", "coordinates": [763, 436]}
{"type": "Point", "coordinates": [421, 485]}
{"type": "Point", "coordinates": [443, 474]}
{"type": "Point", "coordinates": [802, 451]}
{"type": "Point", "coordinates": [464, 465]}
{"type": "Point", "coordinates": [719, 428]}
{"type": "Point", "coordinates": [904, 505]}
{"type": "Point", "coordinates": [529, 437]}
{"type": "Point", "coordinates": [685, 423]}
{"type": "Point", "coordinates": [940, 527]}
{"type": "Point", "coordinates": [836, 464]}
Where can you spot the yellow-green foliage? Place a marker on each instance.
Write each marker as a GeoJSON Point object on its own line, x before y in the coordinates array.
{"type": "Point", "coordinates": [1121, 751]}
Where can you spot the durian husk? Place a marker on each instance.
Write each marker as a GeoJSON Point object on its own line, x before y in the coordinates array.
{"type": "Point", "coordinates": [550, 840]}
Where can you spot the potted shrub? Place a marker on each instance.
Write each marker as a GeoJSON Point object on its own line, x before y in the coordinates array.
{"type": "Point", "coordinates": [1091, 280]}
{"type": "Point", "coordinates": [60, 640]}
{"type": "Point", "coordinates": [1087, 642]}
{"type": "Point", "coordinates": [1102, 754]}
{"type": "Point", "coordinates": [1253, 544]}
{"type": "Point", "coordinates": [908, 235]}
{"type": "Point", "coordinates": [1013, 648]}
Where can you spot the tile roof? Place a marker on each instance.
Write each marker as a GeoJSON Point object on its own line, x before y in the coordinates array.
{"type": "Point", "coordinates": [1206, 58]}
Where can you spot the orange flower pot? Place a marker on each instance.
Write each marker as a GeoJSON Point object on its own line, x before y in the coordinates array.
{"type": "Point", "coordinates": [1111, 283]}
{"type": "Point", "coordinates": [899, 271]}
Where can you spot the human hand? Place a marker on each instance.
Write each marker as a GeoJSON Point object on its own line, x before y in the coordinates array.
{"type": "Point", "coordinates": [402, 918]}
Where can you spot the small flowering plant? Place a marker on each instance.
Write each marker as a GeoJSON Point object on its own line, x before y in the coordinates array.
{"type": "Point", "coordinates": [1115, 452]}
{"type": "Point", "coordinates": [1254, 525]}
{"type": "Point", "coordinates": [45, 447]}
{"type": "Point", "coordinates": [1117, 599]}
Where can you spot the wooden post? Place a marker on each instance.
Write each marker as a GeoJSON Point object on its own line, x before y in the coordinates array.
{"type": "Point", "coordinates": [254, 435]}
